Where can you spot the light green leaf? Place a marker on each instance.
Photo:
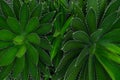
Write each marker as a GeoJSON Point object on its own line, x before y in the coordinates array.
{"type": "Point", "coordinates": [66, 25]}
{"type": "Point", "coordinates": [56, 47]}
{"type": "Point", "coordinates": [21, 52]}
{"type": "Point", "coordinates": [112, 69]}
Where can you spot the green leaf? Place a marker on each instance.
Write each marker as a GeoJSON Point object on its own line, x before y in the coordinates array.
{"type": "Point", "coordinates": [100, 72]}
{"type": "Point", "coordinates": [91, 72]}
{"type": "Point", "coordinates": [18, 66]}
{"type": "Point", "coordinates": [96, 35]}
{"type": "Point", "coordinates": [77, 24]}
{"type": "Point", "coordinates": [72, 45]}
{"type": "Point", "coordinates": [81, 36]}
{"type": "Point", "coordinates": [5, 44]}
{"type": "Point", "coordinates": [44, 57]}
{"type": "Point", "coordinates": [65, 61]}
{"type": "Point", "coordinates": [25, 72]}
{"type": "Point", "coordinates": [33, 69]}
{"type": "Point", "coordinates": [111, 47]}
{"type": "Point", "coordinates": [21, 52]}
{"type": "Point", "coordinates": [109, 55]}
{"type": "Point", "coordinates": [34, 38]}
{"type": "Point", "coordinates": [44, 28]}
{"type": "Point", "coordinates": [111, 68]}
{"type": "Point", "coordinates": [73, 71]}
{"type": "Point", "coordinates": [3, 23]}
{"type": "Point", "coordinates": [5, 71]}
{"type": "Point", "coordinates": [56, 47]}
{"type": "Point", "coordinates": [112, 36]}
{"type": "Point", "coordinates": [32, 4]}
{"type": "Point", "coordinates": [93, 4]}
{"type": "Point", "coordinates": [81, 56]}
{"type": "Point", "coordinates": [46, 45]}
{"type": "Point", "coordinates": [116, 24]}
{"type": "Point", "coordinates": [14, 25]}
{"type": "Point", "coordinates": [37, 11]}
{"type": "Point", "coordinates": [7, 11]}
{"type": "Point", "coordinates": [6, 35]}
{"type": "Point", "coordinates": [58, 23]}
{"type": "Point", "coordinates": [8, 57]}
{"type": "Point", "coordinates": [66, 25]}
{"type": "Point", "coordinates": [112, 7]}
{"type": "Point", "coordinates": [32, 25]}
{"type": "Point", "coordinates": [91, 20]}
{"type": "Point", "coordinates": [47, 17]}
{"type": "Point", "coordinates": [108, 22]}
{"type": "Point", "coordinates": [16, 7]}
{"type": "Point", "coordinates": [24, 15]}
{"type": "Point", "coordinates": [33, 54]}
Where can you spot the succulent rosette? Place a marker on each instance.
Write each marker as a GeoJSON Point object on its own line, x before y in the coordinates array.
{"type": "Point", "coordinates": [23, 42]}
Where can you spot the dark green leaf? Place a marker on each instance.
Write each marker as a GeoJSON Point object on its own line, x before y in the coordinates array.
{"type": "Point", "coordinates": [16, 7]}
{"type": "Point", "coordinates": [7, 11]}
{"type": "Point", "coordinates": [44, 28]}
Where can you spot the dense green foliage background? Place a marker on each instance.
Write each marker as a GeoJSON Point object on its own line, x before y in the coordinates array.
{"type": "Point", "coordinates": [59, 39]}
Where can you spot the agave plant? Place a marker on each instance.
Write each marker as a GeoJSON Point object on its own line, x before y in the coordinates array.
{"type": "Point", "coordinates": [93, 52]}
{"type": "Point", "coordinates": [23, 44]}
